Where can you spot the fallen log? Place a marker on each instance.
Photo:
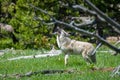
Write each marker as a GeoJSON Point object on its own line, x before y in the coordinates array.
{"type": "Point", "coordinates": [116, 71]}
{"type": "Point", "coordinates": [1, 52]}
{"type": "Point", "coordinates": [43, 72]}
{"type": "Point", "coordinates": [51, 72]}
{"type": "Point", "coordinates": [53, 52]}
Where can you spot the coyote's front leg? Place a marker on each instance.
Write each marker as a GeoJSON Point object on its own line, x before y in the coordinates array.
{"type": "Point", "coordinates": [66, 58]}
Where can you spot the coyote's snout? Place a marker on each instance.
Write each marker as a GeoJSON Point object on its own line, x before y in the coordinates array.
{"type": "Point", "coordinates": [69, 46]}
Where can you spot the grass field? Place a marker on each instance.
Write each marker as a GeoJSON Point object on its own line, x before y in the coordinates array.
{"type": "Point", "coordinates": [22, 66]}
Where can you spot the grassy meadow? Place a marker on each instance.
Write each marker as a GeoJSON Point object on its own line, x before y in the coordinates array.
{"type": "Point", "coordinates": [22, 66]}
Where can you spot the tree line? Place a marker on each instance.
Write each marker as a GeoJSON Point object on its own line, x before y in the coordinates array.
{"type": "Point", "coordinates": [31, 32]}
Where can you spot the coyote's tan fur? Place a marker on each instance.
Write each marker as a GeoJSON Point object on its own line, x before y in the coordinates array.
{"type": "Point", "coordinates": [69, 46]}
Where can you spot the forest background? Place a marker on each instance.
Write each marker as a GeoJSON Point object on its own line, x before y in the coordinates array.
{"type": "Point", "coordinates": [31, 33]}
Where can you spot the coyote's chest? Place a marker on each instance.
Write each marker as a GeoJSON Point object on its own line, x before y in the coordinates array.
{"type": "Point", "coordinates": [63, 42]}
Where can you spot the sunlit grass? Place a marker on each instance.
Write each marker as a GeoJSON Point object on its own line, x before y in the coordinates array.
{"type": "Point", "coordinates": [23, 66]}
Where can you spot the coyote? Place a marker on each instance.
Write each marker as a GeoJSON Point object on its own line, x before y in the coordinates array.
{"type": "Point", "coordinates": [69, 47]}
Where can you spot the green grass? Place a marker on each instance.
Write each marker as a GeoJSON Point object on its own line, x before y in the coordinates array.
{"type": "Point", "coordinates": [23, 66]}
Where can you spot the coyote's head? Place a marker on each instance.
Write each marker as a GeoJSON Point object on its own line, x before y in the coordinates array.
{"type": "Point", "coordinates": [61, 32]}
